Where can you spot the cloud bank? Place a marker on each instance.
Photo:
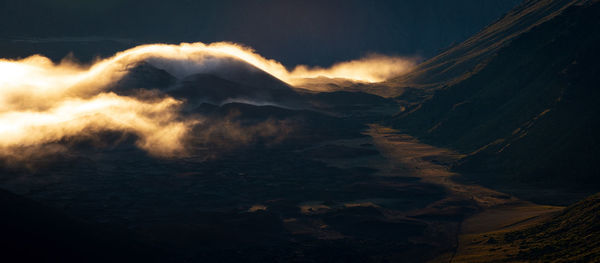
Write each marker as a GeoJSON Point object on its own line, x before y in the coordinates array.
{"type": "Point", "coordinates": [42, 102]}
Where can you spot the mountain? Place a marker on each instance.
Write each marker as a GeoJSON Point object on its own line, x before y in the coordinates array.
{"type": "Point", "coordinates": [274, 173]}
{"type": "Point", "coordinates": [233, 80]}
{"type": "Point", "coordinates": [260, 181]}
{"type": "Point", "coordinates": [519, 98]}
{"type": "Point", "coordinates": [467, 58]}
{"type": "Point", "coordinates": [143, 76]}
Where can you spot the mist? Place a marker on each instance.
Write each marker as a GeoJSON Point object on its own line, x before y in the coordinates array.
{"type": "Point", "coordinates": [43, 102]}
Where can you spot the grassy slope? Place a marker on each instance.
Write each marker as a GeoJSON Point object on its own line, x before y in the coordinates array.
{"type": "Point", "coordinates": [518, 96]}
{"type": "Point", "coordinates": [570, 236]}
{"type": "Point", "coordinates": [465, 59]}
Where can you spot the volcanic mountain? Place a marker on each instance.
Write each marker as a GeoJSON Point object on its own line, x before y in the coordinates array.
{"type": "Point", "coordinates": [232, 80]}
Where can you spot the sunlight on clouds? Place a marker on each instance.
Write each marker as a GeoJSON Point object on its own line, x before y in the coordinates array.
{"type": "Point", "coordinates": [43, 102]}
{"type": "Point", "coordinates": [156, 123]}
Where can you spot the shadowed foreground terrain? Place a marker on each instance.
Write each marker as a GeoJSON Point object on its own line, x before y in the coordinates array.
{"type": "Point", "coordinates": [259, 183]}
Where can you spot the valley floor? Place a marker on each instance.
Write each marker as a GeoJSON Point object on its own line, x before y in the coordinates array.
{"type": "Point", "coordinates": [496, 213]}
{"type": "Point", "coordinates": [380, 197]}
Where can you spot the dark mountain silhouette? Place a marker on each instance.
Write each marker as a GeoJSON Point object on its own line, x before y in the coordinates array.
{"type": "Point", "coordinates": [244, 83]}
{"type": "Point", "coordinates": [143, 76]}
{"type": "Point", "coordinates": [519, 98]}
{"type": "Point", "coordinates": [231, 81]}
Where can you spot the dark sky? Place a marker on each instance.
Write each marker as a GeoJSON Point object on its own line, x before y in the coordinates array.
{"type": "Point", "coordinates": [294, 32]}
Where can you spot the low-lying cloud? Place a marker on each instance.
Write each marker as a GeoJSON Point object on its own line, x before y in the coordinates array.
{"type": "Point", "coordinates": [42, 102]}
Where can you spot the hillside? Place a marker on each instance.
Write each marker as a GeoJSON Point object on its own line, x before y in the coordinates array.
{"type": "Point", "coordinates": [469, 57]}
{"type": "Point", "coordinates": [569, 236]}
{"type": "Point", "coordinates": [516, 98]}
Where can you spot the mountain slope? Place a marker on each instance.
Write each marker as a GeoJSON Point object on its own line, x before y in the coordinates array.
{"type": "Point", "coordinates": [465, 59]}
{"type": "Point", "coordinates": [519, 99]}
{"type": "Point", "coordinates": [569, 236]}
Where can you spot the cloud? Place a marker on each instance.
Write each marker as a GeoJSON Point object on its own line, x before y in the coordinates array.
{"type": "Point", "coordinates": [156, 124]}
{"type": "Point", "coordinates": [42, 102]}
{"type": "Point", "coordinates": [370, 69]}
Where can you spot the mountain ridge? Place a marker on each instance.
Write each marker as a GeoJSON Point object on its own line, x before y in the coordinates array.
{"type": "Point", "coordinates": [517, 113]}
